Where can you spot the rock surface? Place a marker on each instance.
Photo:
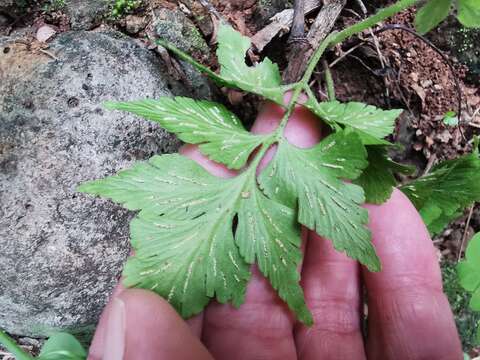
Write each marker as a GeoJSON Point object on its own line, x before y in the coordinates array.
{"type": "Point", "coordinates": [174, 27]}
{"type": "Point", "coordinates": [86, 14]}
{"type": "Point", "coordinates": [61, 251]}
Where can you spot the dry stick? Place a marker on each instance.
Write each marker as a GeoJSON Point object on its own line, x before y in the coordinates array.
{"type": "Point", "coordinates": [296, 40]}
{"type": "Point", "coordinates": [280, 23]}
{"type": "Point", "coordinates": [298, 60]}
{"type": "Point", "coordinates": [376, 44]}
{"type": "Point", "coordinates": [211, 9]}
{"type": "Point", "coordinates": [297, 33]}
{"type": "Point", "coordinates": [464, 237]}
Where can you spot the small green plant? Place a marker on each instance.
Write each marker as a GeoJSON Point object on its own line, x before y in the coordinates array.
{"type": "Point", "coordinates": [449, 188]}
{"type": "Point", "coordinates": [60, 346]}
{"type": "Point", "coordinates": [469, 275]}
{"type": "Point", "coordinates": [466, 319]}
{"type": "Point", "coordinates": [195, 235]}
{"type": "Point", "coordinates": [122, 7]}
{"type": "Point", "coordinates": [450, 118]}
{"type": "Point", "coordinates": [435, 11]}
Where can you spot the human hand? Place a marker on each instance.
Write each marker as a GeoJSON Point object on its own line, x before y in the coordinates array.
{"type": "Point", "coordinates": [408, 314]}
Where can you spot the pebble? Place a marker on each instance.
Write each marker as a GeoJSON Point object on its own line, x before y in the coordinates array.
{"type": "Point", "coordinates": [44, 33]}
{"type": "Point", "coordinates": [135, 24]}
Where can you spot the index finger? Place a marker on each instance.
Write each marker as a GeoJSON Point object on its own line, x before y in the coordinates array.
{"type": "Point", "coordinates": [409, 315]}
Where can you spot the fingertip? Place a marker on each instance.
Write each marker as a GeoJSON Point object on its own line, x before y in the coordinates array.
{"type": "Point", "coordinates": [95, 351]}
{"type": "Point", "coordinates": [155, 330]}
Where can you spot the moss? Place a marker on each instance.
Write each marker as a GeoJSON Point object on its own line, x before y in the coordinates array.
{"type": "Point", "coordinates": [466, 319]}
{"type": "Point", "coordinates": [53, 5]}
{"type": "Point", "coordinates": [123, 7]}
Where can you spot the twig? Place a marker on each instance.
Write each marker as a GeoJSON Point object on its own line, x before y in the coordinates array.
{"type": "Point", "coordinates": [362, 7]}
{"type": "Point", "coordinates": [279, 24]}
{"type": "Point", "coordinates": [345, 53]}
{"type": "Point", "coordinates": [48, 53]}
{"type": "Point", "coordinates": [297, 33]}
{"type": "Point", "coordinates": [211, 9]}
{"type": "Point", "coordinates": [322, 26]}
{"type": "Point", "coordinates": [363, 63]}
{"type": "Point", "coordinates": [464, 237]}
{"type": "Point", "coordinates": [475, 113]}
{"type": "Point", "coordinates": [297, 41]}
{"type": "Point", "coordinates": [430, 163]}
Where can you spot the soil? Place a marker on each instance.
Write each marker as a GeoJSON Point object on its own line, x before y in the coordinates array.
{"type": "Point", "coordinates": [400, 70]}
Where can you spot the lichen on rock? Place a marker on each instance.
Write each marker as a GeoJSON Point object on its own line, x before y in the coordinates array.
{"type": "Point", "coordinates": [62, 252]}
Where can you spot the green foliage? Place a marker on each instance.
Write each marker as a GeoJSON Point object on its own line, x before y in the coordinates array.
{"type": "Point", "coordinates": [469, 13]}
{"type": "Point", "coordinates": [378, 179]}
{"type": "Point", "coordinates": [435, 11]}
{"type": "Point", "coordinates": [466, 319]}
{"type": "Point", "coordinates": [219, 131]}
{"type": "Point", "coordinates": [443, 194]}
{"type": "Point", "coordinates": [432, 14]}
{"type": "Point", "coordinates": [372, 124]}
{"type": "Point", "coordinates": [196, 235]}
{"type": "Point", "coordinates": [53, 5]}
{"type": "Point", "coordinates": [262, 79]}
{"type": "Point", "coordinates": [469, 275]}
{"type": "Point", "coordinates": [313, 178]}
{"type": "Point", "coordinates": [185, 248]}
{"type": "Point", "coordinates": [450, 118]}
{"type": "Point", "coordinates": [60, 346]}
{"type": "Point", "coordinates": [122, 7]}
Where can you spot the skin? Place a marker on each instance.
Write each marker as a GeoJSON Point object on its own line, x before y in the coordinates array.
{"type": "Point", "coordinates": [408, 314]}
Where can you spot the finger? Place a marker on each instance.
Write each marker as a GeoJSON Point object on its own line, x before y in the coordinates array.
{"type": "Point", "coordinates": [331, 282]}
{"type": "Point", "coordinates": [98, 342]}
{"type": "Point", "coordinates": [143, 325]}
{"type": "Point", "coordinates": [409, 315]}
{"type": "Point", "coordinates": [262, 327]}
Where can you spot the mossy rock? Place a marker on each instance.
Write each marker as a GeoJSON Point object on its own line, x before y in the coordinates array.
{"type": "Point", "coordinates": [175, 27]}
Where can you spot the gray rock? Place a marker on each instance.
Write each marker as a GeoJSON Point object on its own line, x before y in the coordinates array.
{"type": "Point", "coordinates": [175, 27]}
{"type": "Point", "coordinates": [62, 251]}
{"type": "Point", "coordinates": [86, 14]}
{"type": "Point", "coordinates": [134, 24]}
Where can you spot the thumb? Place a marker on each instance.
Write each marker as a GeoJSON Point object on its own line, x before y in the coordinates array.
{"type": "Point", "coordinates": [143, 325]}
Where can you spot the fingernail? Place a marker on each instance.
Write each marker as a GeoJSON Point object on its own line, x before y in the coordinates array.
{"type": "Point", "coordinates": [115, 332]}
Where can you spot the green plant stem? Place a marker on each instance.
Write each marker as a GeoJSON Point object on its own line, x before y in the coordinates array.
{"type": "Point", "coordinates": [12, 346]}
{"type": "Point", "coordinates": [191, 60]}
{"type": "Point", "coordinates": [329, 81]}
